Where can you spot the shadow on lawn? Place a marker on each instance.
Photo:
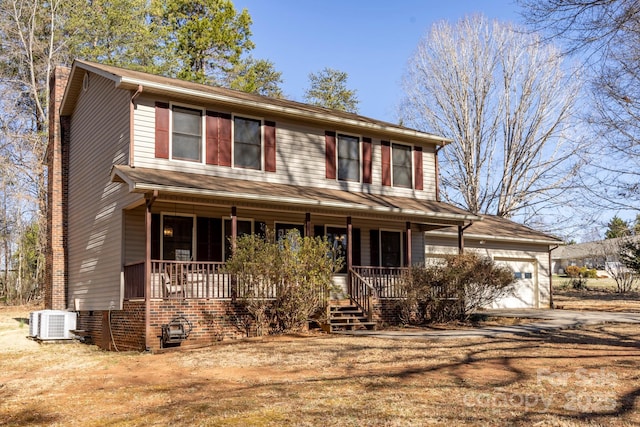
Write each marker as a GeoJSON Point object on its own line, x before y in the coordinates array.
{"type": "Point", "coordinates": [371, 380]}
{"type": "Point", "coordinates": [597, 295]}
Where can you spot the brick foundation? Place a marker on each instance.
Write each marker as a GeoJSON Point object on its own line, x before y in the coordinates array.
{"type": "Point", "coordinates": [386, 312]}
{"type": "Point", "coordinates": [211, 320]}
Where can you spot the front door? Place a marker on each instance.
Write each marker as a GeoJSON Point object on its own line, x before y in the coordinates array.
{"type": "Point", "coordinates": [177, 238]}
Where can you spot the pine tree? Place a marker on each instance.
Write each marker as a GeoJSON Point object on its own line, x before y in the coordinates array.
{"type": "Point", "coordinates": [328, 89]}
{"type": "Point", "coordinates": [617, 227]}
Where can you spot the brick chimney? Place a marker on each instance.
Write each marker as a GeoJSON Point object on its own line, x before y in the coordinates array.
{"type": "Point", "coordinates": [56, 286]}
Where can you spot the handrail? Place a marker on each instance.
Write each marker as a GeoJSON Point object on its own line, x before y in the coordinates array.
{"type": "Point", "coordinates": [385, 280]}
{"type": "Point", "coordinates": [362, 293]}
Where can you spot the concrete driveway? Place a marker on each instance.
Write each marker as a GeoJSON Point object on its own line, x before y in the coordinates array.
{"type": "Point", "coordinates": [549, 321]}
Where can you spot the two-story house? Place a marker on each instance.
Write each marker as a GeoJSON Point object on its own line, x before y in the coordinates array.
{"type": "Point", "coordinates": [153, 178]}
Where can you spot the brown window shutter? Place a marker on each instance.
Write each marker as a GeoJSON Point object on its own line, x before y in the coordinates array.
{"type": "Point", "coordinates": [270, 146]}
{"type": "Point", "coordinates": [374, 248]}
{"type": "Point", "coordinates": [386, 163]}
{"type": "Point", "coordinates": [213, 140]}
{"type": "Point", "coordinates": [417, 162]}
{"type": "Point", "coordinates": [224, 139]}
{"type": "Point", "coordinates": [162, 130]}
{"type": "Point", "coordinates": [330, 141]}
{"type": "Point", "coordinates": [366, 160]}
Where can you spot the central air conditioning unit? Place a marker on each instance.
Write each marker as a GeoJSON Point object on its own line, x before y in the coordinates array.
{"type": "Point", "coordinates": [34, 317]}
{"type": "Point", "coordinates": [54, 324]}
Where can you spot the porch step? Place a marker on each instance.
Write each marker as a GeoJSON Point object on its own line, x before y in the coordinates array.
{"type": "Point", "coordinates": [343, 315]}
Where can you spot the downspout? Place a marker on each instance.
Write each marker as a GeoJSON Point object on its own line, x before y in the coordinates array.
{"type": "Point", "coordinates": [150, 199]}
{"type": "Point", "coordinates": [437, 171]}
{"type": "Point", "coordinates": [551, 277]}
{"type": "Point", "coordinates": [132, 108]}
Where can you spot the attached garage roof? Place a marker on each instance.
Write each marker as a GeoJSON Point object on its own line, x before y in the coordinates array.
{"type": "Point", "coordinates": [144, 180]}
{"type": "Point", "coordinates": [501, 229]}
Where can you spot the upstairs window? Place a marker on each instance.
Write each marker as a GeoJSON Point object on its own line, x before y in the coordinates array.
{"type": "Point", "coordinates": [187, 134]}
{"type": "Point", "coordinates": [348, 158]}
{"type": "Point", "coordinates": [247, 146]}
{"type": "Point", "coordinates": [401, 165]}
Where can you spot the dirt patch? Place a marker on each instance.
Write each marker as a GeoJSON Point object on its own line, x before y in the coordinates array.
{"type": "Point", "coordinates": [577, 377]}
{"type": "Point", "coordinates": [597, 299]}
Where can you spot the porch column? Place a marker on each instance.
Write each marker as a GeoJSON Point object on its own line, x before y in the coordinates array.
{"type": "Point", "coordinates": [147, 270]}
{"type": "Point", "coordinates": [461, 229]}
{"type": "Point", "coordinates": [349, 244]}
{"type": "Point", "coordinates": [234, 228]}
{"type": "Point", "coordinates": [307, 224]}
{"type": "Point", "coordinates": [409, 261]}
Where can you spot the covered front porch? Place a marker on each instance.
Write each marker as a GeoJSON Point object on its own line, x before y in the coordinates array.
{"type": "Point", "coordinates": [178, 236]}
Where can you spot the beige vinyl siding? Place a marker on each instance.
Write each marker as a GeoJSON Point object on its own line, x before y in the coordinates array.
{"type": "Point", "coordinates": [502, 251]}
{"type": "Point", "coordinates": [417, 246]}
{"type": "Point", "coordinates": [134, 235]}
{"type": "Point", "coordinates": [99, 139]}
{"type": "Point", "coordinates": [300, 157]}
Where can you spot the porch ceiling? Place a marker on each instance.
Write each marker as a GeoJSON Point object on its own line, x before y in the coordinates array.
{"type": "Point", "coordinates": [171, 183]}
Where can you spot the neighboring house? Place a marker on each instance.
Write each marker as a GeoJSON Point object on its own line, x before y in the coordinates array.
{"type": "Point", "coordinates": [151, 179]}
{"type": "Point", "coordinates": [526, 251]}
{"type": "Point", "coordinates": [600, 255]}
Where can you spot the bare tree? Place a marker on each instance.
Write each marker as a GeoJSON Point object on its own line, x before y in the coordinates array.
{"type": "Point", "coordinates": [506, 101]}
{"type": "Point", "coordinates": [32, 43]}
{"type": "Point", "coordinates": [606, 34]}
{"type": "Point", "coordinates": [611, 251]}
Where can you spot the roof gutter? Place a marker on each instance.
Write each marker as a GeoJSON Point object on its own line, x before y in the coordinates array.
{"type": "Point", "coordinates": [136, 187]}
{"type": "Point", "coordinates": [494, 238]}
{"type": "Point", "coordinates": [143, 188]}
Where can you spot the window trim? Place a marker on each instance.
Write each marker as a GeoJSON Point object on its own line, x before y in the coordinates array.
{"type": "Point", "coordinates": [233, 140]}
{"type": "Point", "coordinates": [402, 244]}
{"type": "Point", "coordinates": [203, 132]}
{"type": "Point", "coordinates": [194, 233]}
{"type": "Point", "coordinates": [360, 160]}
{"type": "Point", "coordinates": [413, 168]}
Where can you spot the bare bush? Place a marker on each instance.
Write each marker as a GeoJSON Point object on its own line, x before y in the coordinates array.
{"type": "Point", "coordinates": [576, 279]}
{"type": "Point", "coordinates": [453, 289]}
{"type": "Point", "coordinates": [283, 283]}
{"type": "Point", "coordinates": [252, 267]}
{"type": "Point", "coordinates": [613, 251]}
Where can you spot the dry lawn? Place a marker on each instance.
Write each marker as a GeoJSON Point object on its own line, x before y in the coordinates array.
{"type": "Point", "coordinates": [599, 295]}
{"type": "Point", "coordinates": [575, 377]}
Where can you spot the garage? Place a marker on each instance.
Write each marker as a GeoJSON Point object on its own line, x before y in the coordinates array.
{"type": "Point", "coordinates": [525, 293]}
{"type": "Point", "coordinates": [524, 250]}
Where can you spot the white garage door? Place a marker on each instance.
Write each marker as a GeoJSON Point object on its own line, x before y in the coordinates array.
{"type": "Point", "coordinates": [525, 293]}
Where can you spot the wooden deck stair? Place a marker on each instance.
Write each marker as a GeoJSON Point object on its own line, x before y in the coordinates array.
{"type": "Point", "coordinates": [344, 315]}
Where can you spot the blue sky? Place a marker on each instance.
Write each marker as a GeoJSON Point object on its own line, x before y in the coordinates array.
{"type": "Point", "coordinates": [370, 40]}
